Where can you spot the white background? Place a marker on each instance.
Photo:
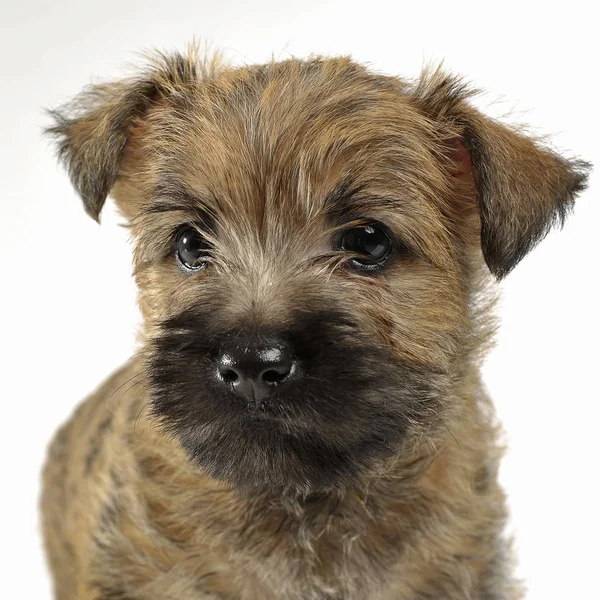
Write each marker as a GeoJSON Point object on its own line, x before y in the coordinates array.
{"type": "Point", "coordinates": [67, 299]}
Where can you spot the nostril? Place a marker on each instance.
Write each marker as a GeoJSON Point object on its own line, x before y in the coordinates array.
{"type": "Point", "coordinates": [228, 375]}
{"type": "Point", "coordinates": [272, 376]}
{"type": "Point", "coordinates": [277, 373]}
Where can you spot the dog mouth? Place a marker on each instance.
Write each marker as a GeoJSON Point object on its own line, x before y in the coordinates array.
{"type": "Point", "coordinates": [278, 413]}
{"type": "Point", "coordinates": [266, 410]}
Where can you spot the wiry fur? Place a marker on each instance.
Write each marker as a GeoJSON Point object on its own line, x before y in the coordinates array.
{"type": "Point", "coordinates": [378, 479]}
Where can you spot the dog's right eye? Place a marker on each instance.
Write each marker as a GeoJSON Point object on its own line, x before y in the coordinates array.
{"type": "Point", "coordinates": [193, 251]}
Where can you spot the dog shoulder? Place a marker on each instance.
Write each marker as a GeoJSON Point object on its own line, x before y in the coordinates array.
{"type": "Point", "coordinates": [79, 476]}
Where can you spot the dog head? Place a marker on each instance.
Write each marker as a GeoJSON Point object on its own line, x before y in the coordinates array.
{"type": "Point", "coordinates": [311, 239]}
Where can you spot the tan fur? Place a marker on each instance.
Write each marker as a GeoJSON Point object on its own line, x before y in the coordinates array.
{"type": "Point", "coordinates": [127, 515]}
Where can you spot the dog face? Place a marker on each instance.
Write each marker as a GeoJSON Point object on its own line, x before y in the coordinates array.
{"type": "Point", "coordinates": [310, 245]}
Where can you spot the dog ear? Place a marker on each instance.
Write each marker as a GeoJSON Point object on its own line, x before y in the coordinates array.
{"type": "Point", "coordinates": [91, 132]}
{"type": "Point", "coordinates": [522, 188]}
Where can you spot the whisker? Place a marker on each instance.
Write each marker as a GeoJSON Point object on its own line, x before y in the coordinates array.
{"type": "Point", "coordinates": [124, 384]}
{"type": "Point", "coordinates": [141, 411]}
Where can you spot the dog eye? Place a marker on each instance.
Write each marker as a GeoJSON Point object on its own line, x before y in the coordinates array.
{"type": "Point", "coordinates": [192, 248]}
{"type": "Point", "coordinates": [371, 242]}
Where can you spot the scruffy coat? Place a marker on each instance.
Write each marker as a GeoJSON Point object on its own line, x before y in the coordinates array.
{"type": "Point", "coordinates": [149, 491]}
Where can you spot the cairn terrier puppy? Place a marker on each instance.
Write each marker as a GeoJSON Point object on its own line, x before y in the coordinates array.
{"type": "Point", "coordinates": [315, 246]}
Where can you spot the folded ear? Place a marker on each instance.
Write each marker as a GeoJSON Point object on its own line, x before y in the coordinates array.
{"type": "Point", "coordinates": [523, 189]}
{"type": "Point", "coordinates": [91, 132]}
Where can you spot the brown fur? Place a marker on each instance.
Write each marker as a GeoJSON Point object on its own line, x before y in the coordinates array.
{"type": "Point", "coordinates": [267, 152]}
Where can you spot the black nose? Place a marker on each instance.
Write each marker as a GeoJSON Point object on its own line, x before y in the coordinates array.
{"type": "Point", "coordinates": [255, 371]}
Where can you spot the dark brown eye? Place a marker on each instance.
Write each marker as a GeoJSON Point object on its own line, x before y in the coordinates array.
{"type": "Point", "coordinates": [193, 251]}
{"type": "Point", "coordinates": [369, 241]}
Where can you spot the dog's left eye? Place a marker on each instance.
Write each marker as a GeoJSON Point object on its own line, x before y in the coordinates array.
{"type": "Point", "coordinates": [371, 242]}
{"type": "Point", "coordinates": [192, 248]}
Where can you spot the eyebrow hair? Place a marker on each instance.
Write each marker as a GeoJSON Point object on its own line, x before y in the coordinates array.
{"type": "Point", "coordinates": [349, 200]}
{"type": "Point", "coordinates": [172, 196]}
{"type": "Point", "coordinates": [337, 199]}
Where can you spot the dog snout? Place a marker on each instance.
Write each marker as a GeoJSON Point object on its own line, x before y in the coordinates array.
{"type": "Point", "coordinates": [254, 371]}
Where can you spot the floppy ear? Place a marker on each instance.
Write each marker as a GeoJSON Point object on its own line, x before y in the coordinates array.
{"type": "Point", "coordinates": [91, 131]}
{"type": "Point", "coordinates": [523, 189]}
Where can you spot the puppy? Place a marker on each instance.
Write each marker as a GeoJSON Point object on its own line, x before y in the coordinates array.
{"type": "Point", "coordinates": [314, 249]}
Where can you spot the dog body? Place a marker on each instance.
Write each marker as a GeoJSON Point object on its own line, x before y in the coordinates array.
{"type": "Point", "coordinates": [313, 247]}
